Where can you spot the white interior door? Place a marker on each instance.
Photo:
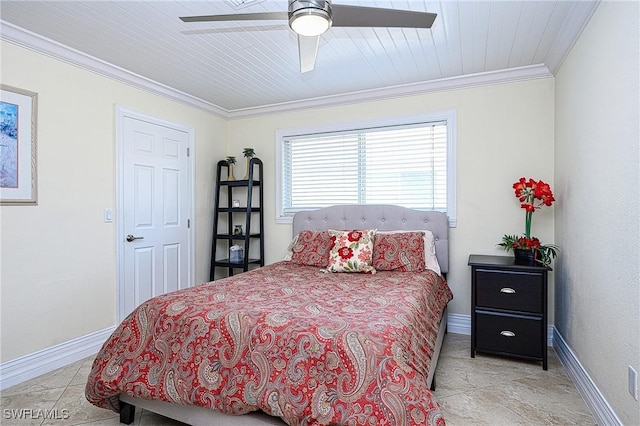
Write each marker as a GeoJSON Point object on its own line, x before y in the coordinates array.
{"type": "Point", "coordinates": [154, 236]}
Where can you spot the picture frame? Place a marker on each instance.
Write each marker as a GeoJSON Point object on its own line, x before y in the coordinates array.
{"type": "Point", "coordinates": [18, 146]}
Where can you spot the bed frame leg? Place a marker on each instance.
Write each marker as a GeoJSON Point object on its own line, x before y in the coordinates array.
{"type": "Point", "coordinates": [127, 413]}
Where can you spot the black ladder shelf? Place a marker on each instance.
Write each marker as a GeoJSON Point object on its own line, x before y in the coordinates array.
{"type": "Point", "coordinates": [225, 238]}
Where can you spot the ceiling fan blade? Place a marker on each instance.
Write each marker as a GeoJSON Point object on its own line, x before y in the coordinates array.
{"type": "Point", "coordinates": [266, 16]}
{"type": "Point", "coordinates": [308, 50]}
{"type": "Point", "coordinates": [359, 16]}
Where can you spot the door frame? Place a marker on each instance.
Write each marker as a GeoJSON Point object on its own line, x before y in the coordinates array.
{"type": "Point", "coordinates": [120, 114]}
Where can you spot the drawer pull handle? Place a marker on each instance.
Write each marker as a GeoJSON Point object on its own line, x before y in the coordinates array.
{"type": "Point", "coordinates": [507, 290]}
{"type": "Point", "coordinates": [508, 333]}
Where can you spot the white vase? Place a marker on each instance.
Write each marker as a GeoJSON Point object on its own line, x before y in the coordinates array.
{"type": "Point", "coordinates": [246, 176]}
{"type": "Point", "coordinates": [230, 175]}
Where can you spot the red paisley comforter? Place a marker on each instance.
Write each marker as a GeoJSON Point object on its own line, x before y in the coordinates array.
{"type": "Point", "coordinates": [306, 346]}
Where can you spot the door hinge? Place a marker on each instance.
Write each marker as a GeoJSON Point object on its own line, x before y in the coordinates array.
{"type": "Point", "coordinates": [188, 223]}
{"type": "Point", "coordinates": [188, 152]}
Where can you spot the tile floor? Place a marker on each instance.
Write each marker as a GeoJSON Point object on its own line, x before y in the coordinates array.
{"type": "Point", "coordinates": [485, 390]}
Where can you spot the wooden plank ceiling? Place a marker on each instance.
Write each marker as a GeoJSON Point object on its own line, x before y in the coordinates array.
{"type": "Point", "coordinates": [243, 65]}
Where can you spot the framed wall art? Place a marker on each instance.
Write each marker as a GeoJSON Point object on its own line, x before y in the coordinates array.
{"type": "Point", "coordinates": [18, 146]}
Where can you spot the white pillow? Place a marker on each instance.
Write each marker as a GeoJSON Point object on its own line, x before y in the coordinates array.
{"type": "Point", "coordinates": [290, 248]}
{"type": "Point", "coordinates": [430, 259]}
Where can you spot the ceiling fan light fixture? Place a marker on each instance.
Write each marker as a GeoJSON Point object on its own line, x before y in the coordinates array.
{"type": "Point", "coordinates": [309, 18]}
{"type": "Point", "coordinates": [309, 24]}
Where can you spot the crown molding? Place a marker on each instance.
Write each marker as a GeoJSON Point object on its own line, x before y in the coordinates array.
{"type": "Point", "coordinates": [35, 42]}
{"type": "Point", "coordinates": [452, 83]}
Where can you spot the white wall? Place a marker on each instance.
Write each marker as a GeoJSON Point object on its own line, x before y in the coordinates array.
{"type": "Point", "coordinates": [58, 258]}
{"type": "Point", "coordinates": [504, 132]}
{"type": "Point", "coordinates": [58, 261]}
{"type": "Point", "coordinates": [597, 175]}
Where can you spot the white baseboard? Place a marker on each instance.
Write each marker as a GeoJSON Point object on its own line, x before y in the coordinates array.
{"type": "Point", "coordinates": [461, 324]}
{"type": "Point", "coordinates": [45, 361]}
{"type": "Point", "coordinates": [600, 408]}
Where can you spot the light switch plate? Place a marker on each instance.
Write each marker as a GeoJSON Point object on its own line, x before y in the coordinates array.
{"type": "Point", "coordinates": [108, 215]}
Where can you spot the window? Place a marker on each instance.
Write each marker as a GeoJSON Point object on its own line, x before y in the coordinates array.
{"type": "Point", "coordinates": [405, 161]}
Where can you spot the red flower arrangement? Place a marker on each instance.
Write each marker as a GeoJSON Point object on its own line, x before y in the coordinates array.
{"type": "Point", "coordinates": [532, 195]}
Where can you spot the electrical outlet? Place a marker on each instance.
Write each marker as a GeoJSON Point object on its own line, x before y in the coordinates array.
{"type": "Point", "coordinates": [633, 383]}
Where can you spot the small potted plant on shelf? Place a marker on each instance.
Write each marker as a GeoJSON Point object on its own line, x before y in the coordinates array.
{"type": "Point", "coordinates": [528, 250]}
{"type": "Point", "coordinates": [231, 160]}
{"type": "Point", "coordinates": [248, 154]}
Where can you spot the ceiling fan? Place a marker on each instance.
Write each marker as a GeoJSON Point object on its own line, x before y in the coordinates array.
{"type": "Point", "coordinates": [311, 18]}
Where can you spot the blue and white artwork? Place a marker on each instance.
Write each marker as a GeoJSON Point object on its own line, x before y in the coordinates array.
{"type": "Point", "coordinates": [8, 145]}
{"type": "Point", "coordinates": [18, 146]}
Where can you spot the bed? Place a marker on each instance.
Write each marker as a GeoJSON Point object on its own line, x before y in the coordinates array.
{"type": "Point", "coordinates": [295, 342]}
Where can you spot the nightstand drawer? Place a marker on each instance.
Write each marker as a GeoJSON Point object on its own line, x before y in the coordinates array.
{"type": "Point", "coordinates": [509, 334]}
{"type": "Point", "coordinates": [516, 291]}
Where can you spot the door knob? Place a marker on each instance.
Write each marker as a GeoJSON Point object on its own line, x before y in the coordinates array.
{"type": "Point", "coordinates": [132, 238]}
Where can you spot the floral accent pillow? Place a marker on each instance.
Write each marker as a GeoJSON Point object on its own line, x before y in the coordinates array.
{"type": "Point", "coordinates": [352, 251]}
{"type": "Point", "coordinates": [311, 248]}
{"type": "Point", "coordinates": [399, 251]}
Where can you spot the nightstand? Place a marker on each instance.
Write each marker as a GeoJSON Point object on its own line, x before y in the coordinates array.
{"type": "Point", "coordinates": [508, 308]}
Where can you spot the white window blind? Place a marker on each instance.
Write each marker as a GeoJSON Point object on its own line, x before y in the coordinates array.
{"type": "Point", "coordinates": [403, 164]}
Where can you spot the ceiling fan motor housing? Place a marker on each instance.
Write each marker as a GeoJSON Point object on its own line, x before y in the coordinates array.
{"type": "Point", "coordinates": [309, 9]}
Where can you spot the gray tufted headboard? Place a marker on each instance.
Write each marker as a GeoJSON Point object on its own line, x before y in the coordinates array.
{"type": "Point", "coordinates": [382, 217]}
